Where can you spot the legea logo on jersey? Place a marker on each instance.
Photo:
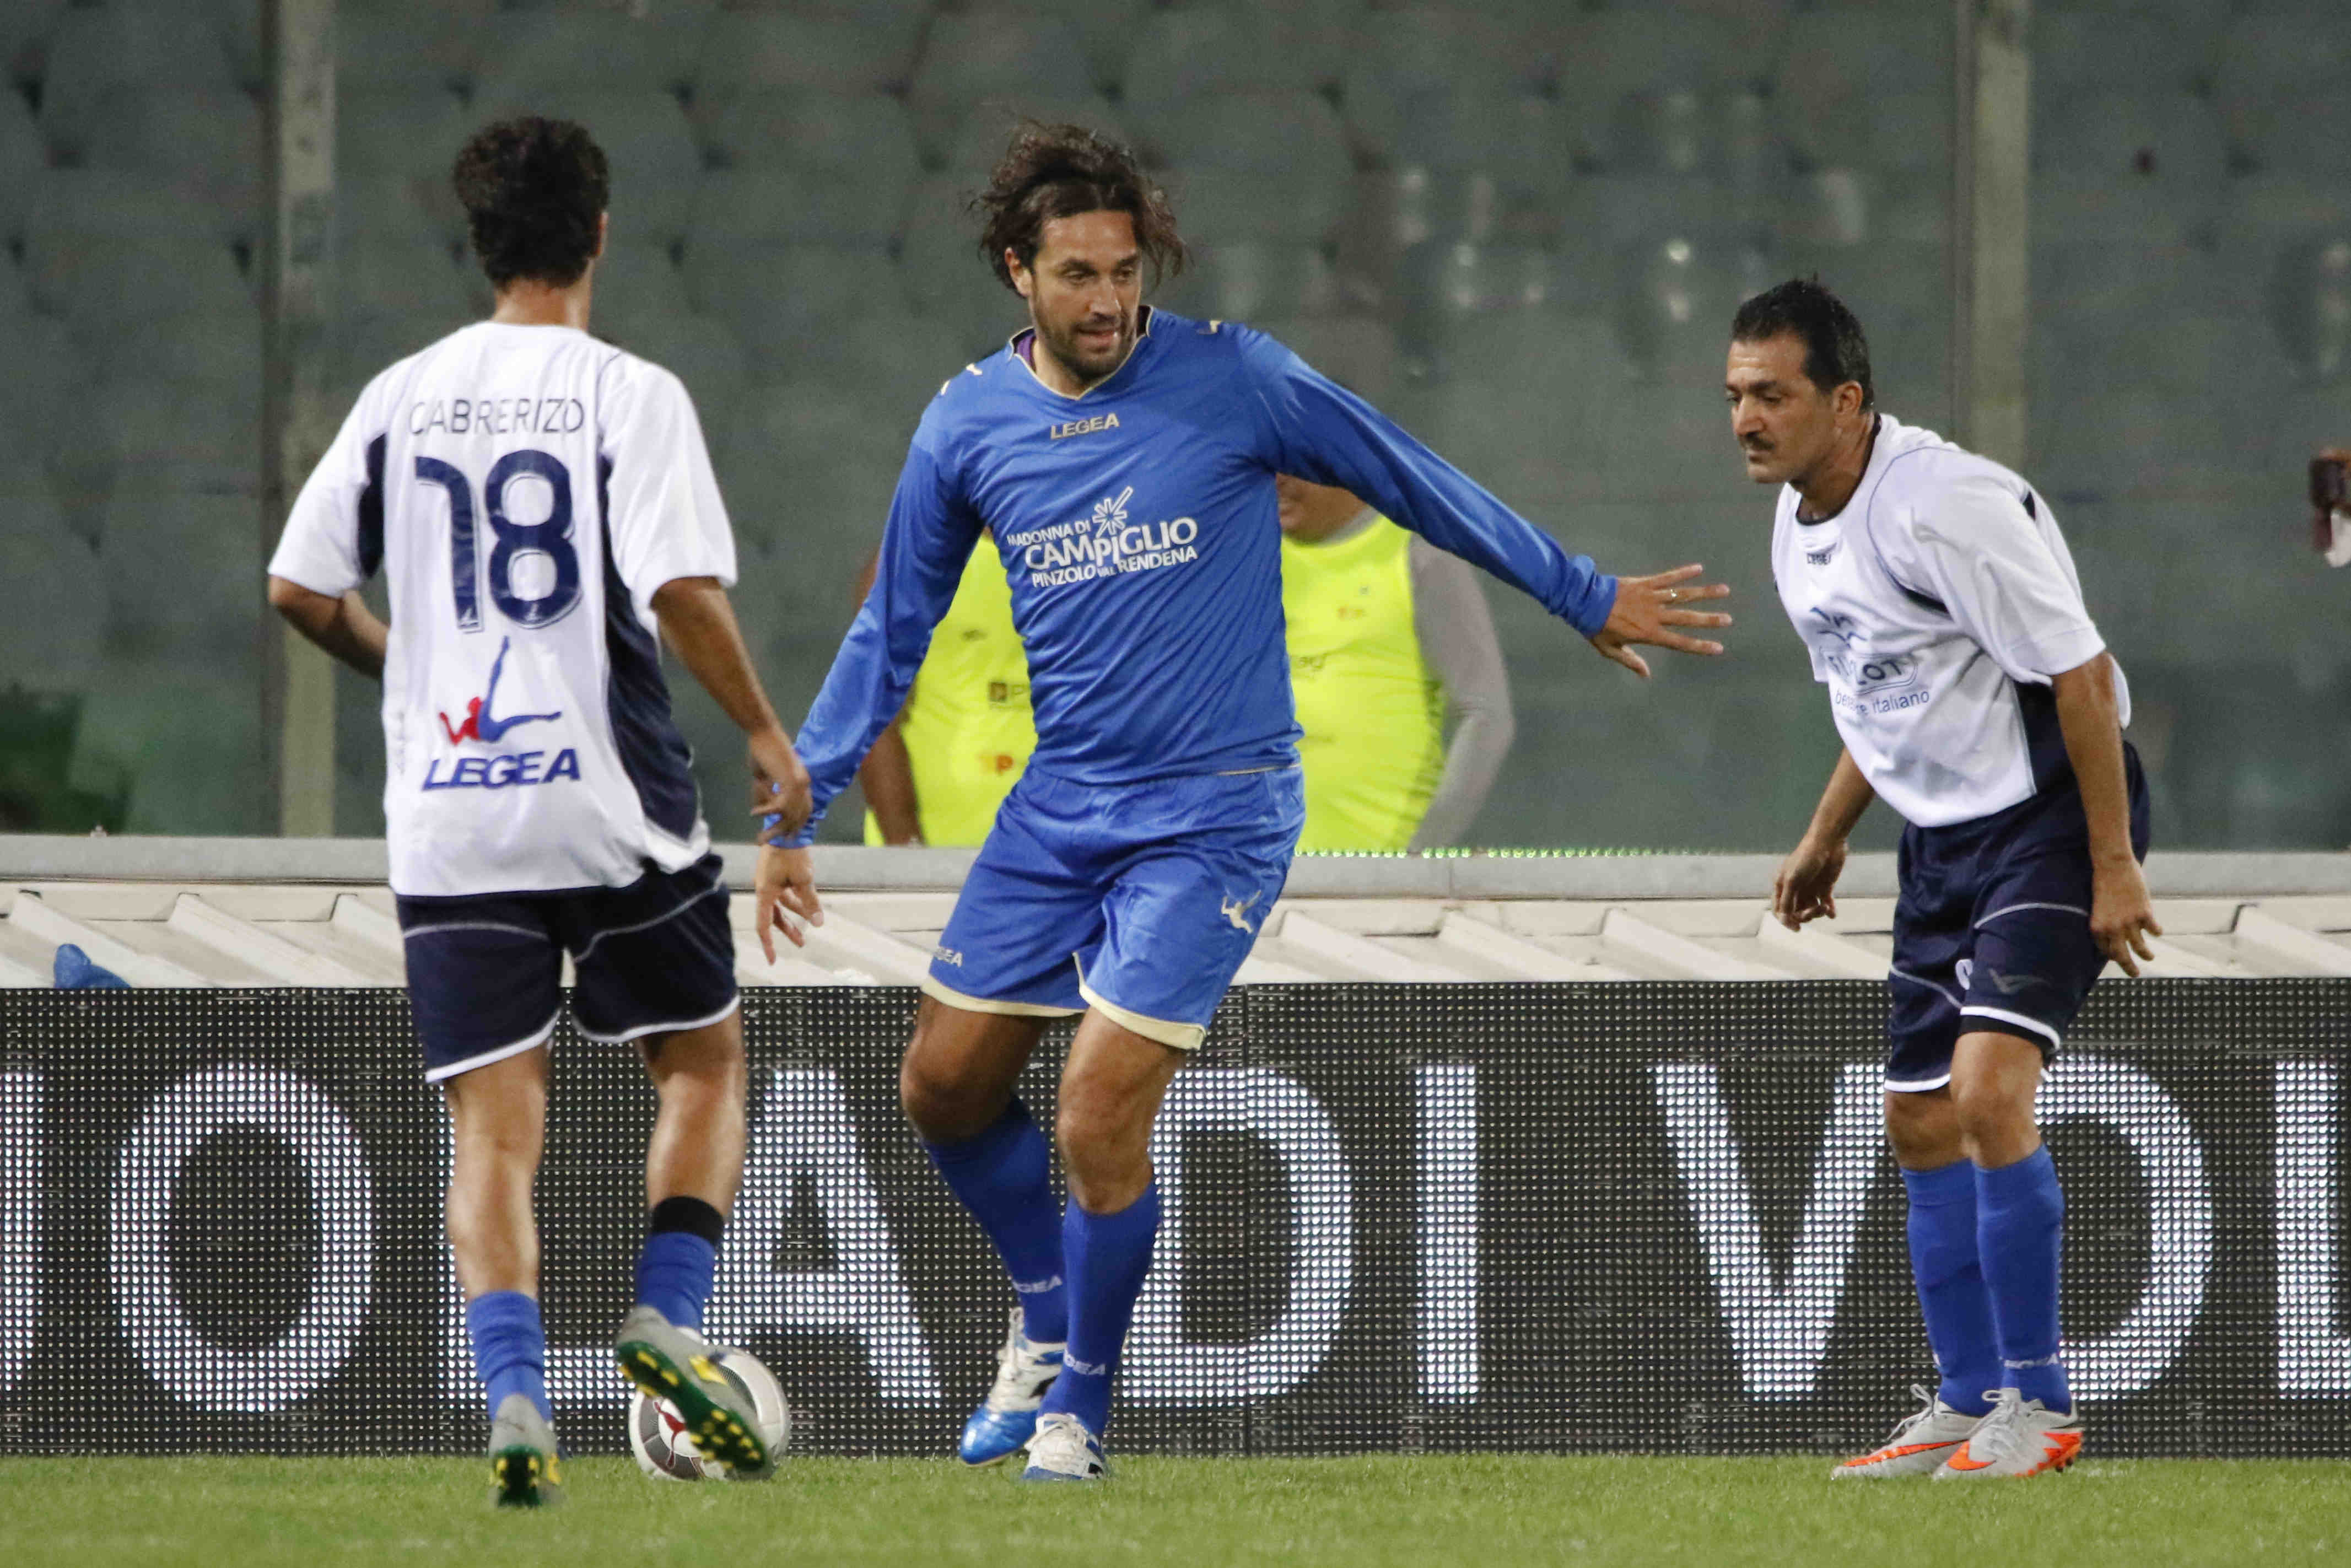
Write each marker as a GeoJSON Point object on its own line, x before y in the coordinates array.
{"type": "Point", "coordinates": [485, 727]}
{"type": "Point", "coordinates": [1105, 543]}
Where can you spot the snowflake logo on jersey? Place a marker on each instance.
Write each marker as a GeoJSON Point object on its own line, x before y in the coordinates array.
{"type": "Point", "coordinates": [1104, 543]}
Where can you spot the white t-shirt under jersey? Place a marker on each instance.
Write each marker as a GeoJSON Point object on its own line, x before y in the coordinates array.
{"type": "Point", "coordinates": [526, 489]}
{"type": "Point", "coordinates": [1937, 607]}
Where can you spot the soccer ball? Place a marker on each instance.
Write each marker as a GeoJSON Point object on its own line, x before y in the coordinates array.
{"type": "Point", "coordinates": [664, 1447]}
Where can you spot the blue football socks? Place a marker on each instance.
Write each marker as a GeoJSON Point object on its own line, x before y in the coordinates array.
{"type": "Point", "coordinates": [2019, 1231]}
{"type": "Point", "coordinates": [1944, 1261]}
{"type": "Point", "coordinates": [1004, 1178]}
{"type": "Point", "coordinates": [680, 1258]}
{"type": "Point", "coordinates": [1105, 1257]}
{"type": "Point", "coordinates": [510, 1347]}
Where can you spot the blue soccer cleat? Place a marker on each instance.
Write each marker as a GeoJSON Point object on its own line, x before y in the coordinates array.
{"type": "Point", "coordinates": [1064, 1451]}
{"type": "Point", "coordinates": [1007, 1419]}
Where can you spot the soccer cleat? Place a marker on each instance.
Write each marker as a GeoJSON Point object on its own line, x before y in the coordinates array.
{"type": "Point", "coordinates": [1919, 1445]}
{"type": "Point", "coordinates": [2021, 1438]}
{"type": "Point", "coordinates": [525, 1469]}
{"type": "Point", "coordinates": [1007, 1419]}
{"type": "Point", "coordinates": [1064, 1451]}
{"type": "Point", "coordinates": [673, 1364]}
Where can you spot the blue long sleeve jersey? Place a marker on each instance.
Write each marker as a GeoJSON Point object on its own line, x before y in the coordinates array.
{"type": "Point", "coordinates": [1137, 526]}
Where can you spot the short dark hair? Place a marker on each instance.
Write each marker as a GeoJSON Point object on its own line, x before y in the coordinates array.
{"type": "Point", "coordinates": [533, 189]}
{"type": "Point", "coordinates": [1835, 350]}
{"type": "Point", "coordinates": [1058, 172]}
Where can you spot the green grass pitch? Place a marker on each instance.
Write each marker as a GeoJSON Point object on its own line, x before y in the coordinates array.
{"type": "Point", "coordinates": [1474, 1511]}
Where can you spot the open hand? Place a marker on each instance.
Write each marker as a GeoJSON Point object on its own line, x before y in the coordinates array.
{"type": "Point", "coordinates": [1806, 888]}
{"type": "Point", "coordinates": [2122, 915]}
{"type": "Point", "coordinates": [1647, 608]}
{"type": "Point", "coordinates": [787, 881]}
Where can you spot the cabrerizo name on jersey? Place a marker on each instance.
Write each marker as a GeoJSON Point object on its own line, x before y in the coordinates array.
{"type": "Point", "coordinates": [1104, 545]}
{"type": "Point", "coordinates": [497, 415]}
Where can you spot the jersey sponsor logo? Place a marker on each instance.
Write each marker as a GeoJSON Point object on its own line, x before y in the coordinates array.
{"type": "Point", "coordinates": [1865, 682]}
{"type": "Point", "coordinates": [1236, 910]}
{"type": "Point", "coordinates": [1082, 426]}
{"type": "Point", "coordinates": [480, 723]}
{"type": "Point", "coordinates": [515, 769]}
{"type": "Point", "coordinates": [497, 415]}
{"type": "Point", "coordinates": [947, 956]}
{"type": "Point", "coordinates": [1105, 544]}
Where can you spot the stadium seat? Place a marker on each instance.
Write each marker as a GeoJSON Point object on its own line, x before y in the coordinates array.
{"type": "Point", "coordinates": [943, 272]}
{"type": "Point", "coordinates": [779, 297]}
{"type": "Point", "coordinates": [408, 46]}
{"type": "Point", "coordinates": [1106, 29]}
{"type": "Point", "coordinates": [25, 28]}
{"type": "Point", "coordinates": [96, 51]}
{"type": "Point", "coordinates": [979, 138]}
{"type": "Point", "coordinates": [1253, 282]}
{"type": "Point", "coordinates": [2143, 164]}
{"type": "Point", "coordinates": [222, 348]}
{"type": "Point", "coordinates": [1869, 87]}
{"type": "Point", "coordinates": [2307, 135]}
{"type": "Point", "coordinates": [206, 144]}
{"type": "Point", "coordinates": [972, 56]}
{"type": "Point", "coordinates": [2080, 52]}
{"type": "Point", "coordinates": [656, 163]}
{"type": "Point", "coordinates": [414, 131]}
{"type": "Point", "coordinates": [1359, 352]}
{"type": "Point", "coordinates": [701, 351]}
{"type": "Point", "coordinates": [182, 574]}
{"type": "Point", "coordinates": [1406, 56]}
{"type": "Point", "coordinates": [777, 206]}
{"type": "Point", "coordinates": [371, 209]}
{"type": "Point", "coordinates": [752, 49]}
{"type": "Point", "coordinates": [88, 277]}
{"type": "Point", "coordinates": [417, 276]}
{"type": "Point", "coordinates": [160, 438]}
{"type": "Point", "coordinates": [52, 637]}
{"type": "Point", "coordinates": [639, 280]}
{"type": "Point", "coordinates": [23, 157]}
{"type": "Point", "coordinates": [862, 135]}
{"type": "Point", "coordinates": [1181, 55]}
{"type": "Point", "coordinates": [529, 55]}
{"type": "Point", "coordinates": [1258, 166]}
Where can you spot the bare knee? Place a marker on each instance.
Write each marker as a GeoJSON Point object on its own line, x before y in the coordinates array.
{"type": "Point", "coordinates": [1995, 1121]}
{"type": "Point", "coordinates": [1924, 1129]}
{"type": "Point", "coordinates": [943, 1107]}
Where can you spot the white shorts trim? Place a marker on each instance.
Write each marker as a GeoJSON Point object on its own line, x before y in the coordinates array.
{"type": "Point", "coordinates": [414, 932]}
{"type": "Point", "coordinates": [2012, 908]}
{"type": "Point", "coordinates": [1916, 1085]}
{"type": "Point", "coordinates": [644, 1030]}
{"type": "Point", "coordinates": [1185, 1037]}
{"type": "Point", "coordinates": [1918, 980]}
{"type": "Point", "coordinates": [948, 996]}
{"type": "Point", "coordinates": [2035, 1025]}
{"type": "Point", "coordinates": [532, 1041]}
{"type": "Point", "coordinates": [661, 919]}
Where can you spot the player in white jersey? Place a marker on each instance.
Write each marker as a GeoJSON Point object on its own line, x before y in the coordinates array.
{"type": "Point", "coordinates": [541, 504]}
{"type": "Point", "coordinates": [1973, 694]}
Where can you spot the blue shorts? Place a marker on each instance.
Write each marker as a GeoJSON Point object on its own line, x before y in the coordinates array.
{"type": "Point", "coordinates": [1140, 901]}
{"type": "Point", "coordinates": [485, 973]}
{"type": "Point", "coordinates": [1991, 932]}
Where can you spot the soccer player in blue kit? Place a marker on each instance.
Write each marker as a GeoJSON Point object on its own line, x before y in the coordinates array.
{"type": "Point", "coordinates": [1973, 693]}
{"type": "Point", "coordinates": [1123, 460]}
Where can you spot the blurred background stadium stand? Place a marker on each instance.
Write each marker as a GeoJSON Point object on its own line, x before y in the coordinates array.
{"type": "Point", "coordinates": [1522, 227]}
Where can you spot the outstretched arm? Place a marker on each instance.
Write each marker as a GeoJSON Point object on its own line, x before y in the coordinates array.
{"type": "Point", "coordinates": [1313, 427]}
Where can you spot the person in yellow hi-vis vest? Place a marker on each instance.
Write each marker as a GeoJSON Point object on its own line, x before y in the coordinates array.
{"type": "Point", "coordinates": [940, 772]}
{"type": "Point", "coordinates": [1391, 649]}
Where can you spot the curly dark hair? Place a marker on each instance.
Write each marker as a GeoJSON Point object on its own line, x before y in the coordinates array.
{"type": "Point", "coordinates": [533, 189]}
{"type": "Point", "coordinates": [1058, 172]}
{"type": "Point", "coordinates": [1836, 351]}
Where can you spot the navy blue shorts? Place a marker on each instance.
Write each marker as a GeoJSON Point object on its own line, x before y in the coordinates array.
{"type": "Point", "coordinates": [1993, 930]}
{"type": "Point", "coordinates": [485, 973]}
{"type": "Point", "coordinates": [1138, 902]}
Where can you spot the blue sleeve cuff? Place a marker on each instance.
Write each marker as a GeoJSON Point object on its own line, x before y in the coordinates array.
{"type": "Point", "coordinates": [1590, 612]}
